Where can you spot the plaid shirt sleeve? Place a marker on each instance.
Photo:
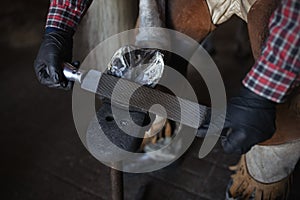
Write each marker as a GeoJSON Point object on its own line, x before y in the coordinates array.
{"type": "Point", "coordinates": [66, 14]}
{"type": "Point", "coordinates": [277, 70]}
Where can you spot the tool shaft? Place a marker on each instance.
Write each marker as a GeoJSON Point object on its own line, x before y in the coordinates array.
{"type": "Point", "coordinates": [134, 95]}
{"type": "Point", "coordinates": [72, 73]}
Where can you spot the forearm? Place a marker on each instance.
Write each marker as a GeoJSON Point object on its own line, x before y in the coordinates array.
{"type": "Point", "coordinates": [66, 15]}
{"type": "Point", "coordinates": [277, 70]}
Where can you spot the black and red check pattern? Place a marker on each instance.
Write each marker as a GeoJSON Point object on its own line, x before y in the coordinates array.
{"type": "Point", "coordinates": [277, 71]}
{"type": "Point", "coordinates": [66, 14]}
{"type": "Point", "coordinates": [274, 74]}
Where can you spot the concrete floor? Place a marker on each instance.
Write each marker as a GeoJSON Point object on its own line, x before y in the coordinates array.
{"type": "Point", "coordinates": [42, 156]}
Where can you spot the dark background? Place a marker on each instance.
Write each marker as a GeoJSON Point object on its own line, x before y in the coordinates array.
{"type": "Point", "coordinates": [41, 154]}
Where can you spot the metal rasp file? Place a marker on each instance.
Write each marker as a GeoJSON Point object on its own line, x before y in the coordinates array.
{"type": "Point", "coordinates": [128, 93]}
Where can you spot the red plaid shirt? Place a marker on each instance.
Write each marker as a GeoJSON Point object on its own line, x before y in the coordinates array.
{"type": "Point", "coordinates": [277, 70]}
{"type": "Point", "coordinates": [66, 14]}
{"type": "Point", "coordinates": [274, 74]}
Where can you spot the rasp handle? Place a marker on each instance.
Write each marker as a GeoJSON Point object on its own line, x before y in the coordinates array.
{"type": "Point", "coordinates": [72, 73]}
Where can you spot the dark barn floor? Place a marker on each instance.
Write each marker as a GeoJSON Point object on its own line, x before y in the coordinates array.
{"type": "Point", "coordinates": [42, 156]}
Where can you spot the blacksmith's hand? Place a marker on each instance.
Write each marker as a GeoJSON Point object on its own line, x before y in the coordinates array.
{"type": "Point", "coordinates": [250, 120]}
{"type": "Point", "coordinates": [55, 49]}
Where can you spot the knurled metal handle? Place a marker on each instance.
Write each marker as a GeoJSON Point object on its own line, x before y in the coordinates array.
{"type": "Point", "coordinates": [72, 73]}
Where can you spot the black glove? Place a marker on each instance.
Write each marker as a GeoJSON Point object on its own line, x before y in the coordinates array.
{"type": "Point", "coordinates": [55, 49]}
{"type": "Point", "coordinates": [250, 120]}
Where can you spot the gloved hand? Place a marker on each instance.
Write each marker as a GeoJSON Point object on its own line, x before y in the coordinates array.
{"type": "Point", "coordinates": [250, 120]}
{"type": "Point", "coordinates": [55, 49]}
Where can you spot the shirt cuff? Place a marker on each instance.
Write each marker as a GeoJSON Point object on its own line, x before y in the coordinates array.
{"type": "Point", "coordinates": [64, 17]}
{"type": "Point", "coordinates": [270, 81]}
